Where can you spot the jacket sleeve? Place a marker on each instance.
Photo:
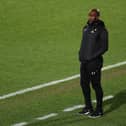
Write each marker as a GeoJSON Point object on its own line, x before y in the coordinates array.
{"type": "Point", "coordinates": [104, 43]}
{"type": "Point", "coordinates": [81, 40]}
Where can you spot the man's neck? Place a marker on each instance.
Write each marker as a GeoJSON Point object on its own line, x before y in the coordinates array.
{"type": "Point", "coordinates": [92, 22]}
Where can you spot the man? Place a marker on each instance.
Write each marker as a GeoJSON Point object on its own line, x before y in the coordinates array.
{"type": "Point", "coordinates": [93, 45]}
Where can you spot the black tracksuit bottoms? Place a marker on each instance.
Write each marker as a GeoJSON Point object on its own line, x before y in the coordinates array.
{"type": "Point", "coordinates": [90, 72]}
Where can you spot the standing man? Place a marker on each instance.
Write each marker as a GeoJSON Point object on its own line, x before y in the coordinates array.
{"type": "Point", "coordinates": [93, 45]}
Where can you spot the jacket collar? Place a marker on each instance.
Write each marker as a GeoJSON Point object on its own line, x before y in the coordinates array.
{"type": "Point", "coordinates": [96, 23]}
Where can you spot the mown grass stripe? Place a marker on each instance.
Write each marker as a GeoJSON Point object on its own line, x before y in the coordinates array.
{"type": "Point", "coordinates": [55, 82]}
{"type": "Point", "coordinates": [45, 117]}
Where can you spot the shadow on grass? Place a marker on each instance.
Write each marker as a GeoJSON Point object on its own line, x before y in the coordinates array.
{"type": "Point", "coordinates": [118, 100]}
{"type": "Point", "coordinates": [72, 118]}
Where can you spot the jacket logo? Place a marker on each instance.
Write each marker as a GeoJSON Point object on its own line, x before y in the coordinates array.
{"type": "Point", "coordinates": [85, 29]}
{"type": "Point", "coordinates": [94, 30]}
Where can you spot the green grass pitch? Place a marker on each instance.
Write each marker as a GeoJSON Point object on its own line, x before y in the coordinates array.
{"type": "Point", "coordinates": [39, 42]}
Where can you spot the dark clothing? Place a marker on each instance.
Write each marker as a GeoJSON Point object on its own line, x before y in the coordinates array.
{"type": "Point", "coordinates": [93, 45]}
{"type": "Point", "coordinates": [91, 72]}
{"type": "Point", "coordinates": [94, 41]}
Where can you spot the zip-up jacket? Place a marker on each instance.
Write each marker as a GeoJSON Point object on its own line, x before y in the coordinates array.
{"type": "Point", "coordinates": [94, 41]}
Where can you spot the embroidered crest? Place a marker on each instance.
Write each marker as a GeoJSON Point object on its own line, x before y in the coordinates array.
{"type": "Point", "coordinates": [94, 30]}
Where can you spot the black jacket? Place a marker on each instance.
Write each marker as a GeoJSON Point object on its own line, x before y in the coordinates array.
{"type": "Point", "coordinates": [94, 41]}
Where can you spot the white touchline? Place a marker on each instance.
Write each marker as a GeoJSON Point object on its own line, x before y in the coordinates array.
{"type": "Point", "coordinates": [37, 118]}
{"type": "Point", "coordinates": [105, 98]}
{"type": "Point", "coordinates": [19, 92]}
{"type": "Point", "coordinates": [20, 124]}
{"type": "Point", "coordinates": [56, 114]}
{"type": "Point", "coordinates": [73, 108]}
{"type": "Point", "coordinates": [47, 116]}
{"type": "Point", "coordinates": [81, 106]}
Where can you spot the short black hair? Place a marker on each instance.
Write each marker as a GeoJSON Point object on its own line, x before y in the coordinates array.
{"type": "Point", "coordinates": [95, 10]}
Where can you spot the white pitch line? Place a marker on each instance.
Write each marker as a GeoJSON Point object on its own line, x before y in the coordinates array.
{"type": "Point", "coordinates": [20, 124]}
{"type": "Point", "coordinates": [56, 114]}
{"type": "Point", "coordinates": [105, 98]}
{"type": "Point", "coordinates": [81, 106]}
{"type": "Point", "coordinates": [19, 92]}
{"type": "Point", "coordinates": [47, 116]}
{"type": "Point", "coordinates": [37, 118]}
{"type": "Point", "coordinates": [73, 108]}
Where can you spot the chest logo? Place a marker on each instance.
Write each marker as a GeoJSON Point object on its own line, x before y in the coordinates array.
{"type": "Point", "coordinates": [93, 31]}
{"type": "Point", "coordinates": [85, 29]}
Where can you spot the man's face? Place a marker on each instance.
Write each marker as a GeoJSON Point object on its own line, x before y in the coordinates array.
{"type": "Point", "coordinates": [92, 16]}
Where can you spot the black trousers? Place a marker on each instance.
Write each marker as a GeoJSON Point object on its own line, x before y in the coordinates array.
{"type": "Point", "coordinates": [90, 72]}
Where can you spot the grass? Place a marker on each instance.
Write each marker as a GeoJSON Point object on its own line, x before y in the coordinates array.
{"type": "Point", "coordinates": [56, 98]}
{"type": "Point", "coordinates": [39, 42]}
